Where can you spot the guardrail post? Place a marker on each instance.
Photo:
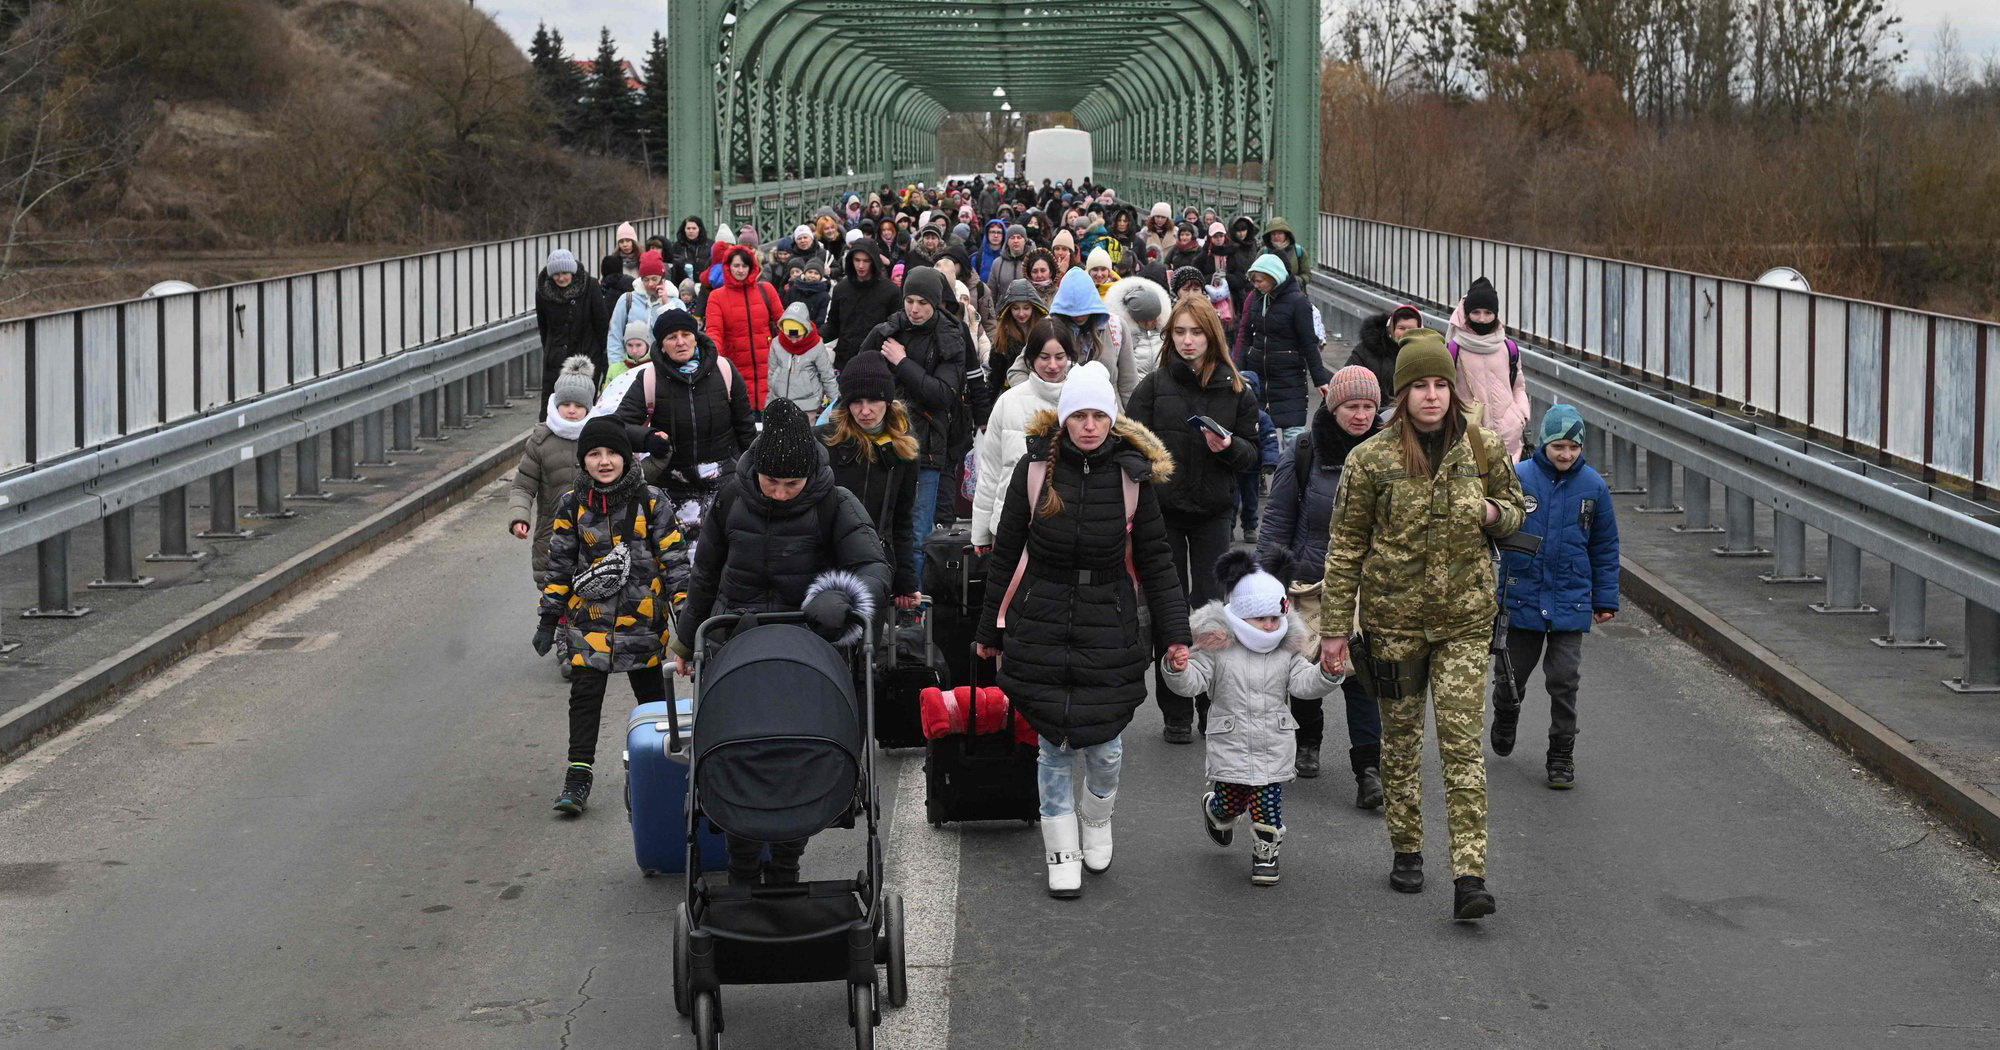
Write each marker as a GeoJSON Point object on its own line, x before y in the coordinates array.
{"type": "Point", "coordinates": [496, 387]}
{"type": "Point", "coordinates": [403, 428]}
{"type": "Point", "coordinates": [1596, 445]}
{"type": "Point", "coordinates": [340, 441]}
{"type": "Point", "coordinates": [427, 417]}
{"type": "Point", "coordinates": [373, 454]}
{"type": "Point", "coordinates": [1739, 527]}
{"type": "Point", "coordinates": [1624, 468]}
{"type": "Point", "coordinates": [174, 528]}
{"type": "Point", "coordinates": [1694, 497]}
{"type": "Point", "coordinates": [517, 376]}
{"type": "Point", "coordinates": [222, 515]}
{"type": "Point", "coordinates": [52, 600]}
{"type": "Point", "coordinates": [475, 397]}
{"type": "Point", "coordinates": [1843, 580]}
{"type": "Point", "coordinates": [454, 405]}
{"type": "Point", "coordinates": [1907, 629]}
{"type": "Point", "coordinates": [305, 460]}
{"type": "Point", "coordinates": [271, 487]}
{"type": "Point", "coordinates": [1788, 536]}
{"type": "Point", "coordinates": [1659, 485]}
{"type": "Point", "coordinates": [1982, 652]}
{"type": "Point", "coordinates": [119, 572]}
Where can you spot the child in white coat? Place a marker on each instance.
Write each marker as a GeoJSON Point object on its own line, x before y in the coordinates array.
{"type": "Point", "coordinates": [1251, 655]}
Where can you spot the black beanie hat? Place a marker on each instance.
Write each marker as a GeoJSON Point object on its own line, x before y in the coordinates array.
{"type": "Point", "coordinates": [604, 432]}
{"type": "Point", "coordinates": [785, 448]}
{"type": "Point", "coordinates": [671, 321]}
{"type": "Point", "coordinates": [867, 376]}
{"type": "Point", "coordinates": [1481, 296]}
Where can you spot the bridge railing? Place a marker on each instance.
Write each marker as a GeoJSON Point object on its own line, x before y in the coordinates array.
{"type": "Point", "coordinates": [80, 379]}
{"type": "Point", "coordinates": [1916, 386]}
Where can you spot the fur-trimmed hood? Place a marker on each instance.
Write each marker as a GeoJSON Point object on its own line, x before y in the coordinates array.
{"type": "Point", "coordinates": [1139, 440]}
{"type": "Point", "coordinates": [1212, 632]}
{"type": "Point", "coordinates": [858, 595]}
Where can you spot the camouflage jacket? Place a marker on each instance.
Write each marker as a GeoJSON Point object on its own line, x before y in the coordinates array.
{"type": "Point", "coordinates": [628, 631]}
{"type": "Point", "coordinates": [1415, 547]}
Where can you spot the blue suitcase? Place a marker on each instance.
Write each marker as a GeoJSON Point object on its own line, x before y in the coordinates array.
{"type": "Point", "coordinates": [656, 784]}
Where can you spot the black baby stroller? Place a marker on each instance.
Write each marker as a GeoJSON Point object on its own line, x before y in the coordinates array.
{"type": "Point", "coordinates": [782, 750]}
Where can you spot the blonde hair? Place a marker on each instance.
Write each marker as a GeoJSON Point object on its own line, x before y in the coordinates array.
{"type": "Point", "coordinates": [895, 423]}
{"type": "Point", "coordinates": [1210, 323]}
{"type": "Point", "coordinates": [1051, 504]}
{"type": "Point", "coordinates": [1415, 463]}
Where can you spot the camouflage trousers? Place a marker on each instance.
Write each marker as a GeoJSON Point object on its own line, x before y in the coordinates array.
{"type": "Point", "coordinates": [1458, 699]}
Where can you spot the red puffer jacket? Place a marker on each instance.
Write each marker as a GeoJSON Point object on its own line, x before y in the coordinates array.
{"type": "Point", "coordinates": [742, 317]}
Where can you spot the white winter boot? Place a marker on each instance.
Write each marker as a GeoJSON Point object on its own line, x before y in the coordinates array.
{"type": "Point", "coordinates": [1095, 815]}
{"type": "Point", "coordinates": [1059, 837]}
{"type": "Point", "coordinates": [1264, 844]}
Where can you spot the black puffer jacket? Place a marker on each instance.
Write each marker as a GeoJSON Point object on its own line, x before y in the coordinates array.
{"type": "Point", "coordinates": [1076, 655]}
{"type": "Point", "coordinates": [1299, 520]}
{"type": "Point", "coordinates": [886, 485]}
{"type": "Point", "coordinates": [758, 555]}
{"type": "Point", "coordinates": [1203, 482]}
{"type": "Point", "coordinates": [856, 307]}
{"type": "Point", "coordinates": [707, 420]}
{"type": "Point", "coordinates": [1376, 352]}
{"type": "Point", "coordinates": [1277, 341]}
{"type": "Point", "coordinates": [1244, 247]}
{"type": "Point", "coordinates": [930, 379]}
{"type": "Point", "coordinates": [571, 321]}
{"type": "Point", "coordinates": [688, 258]}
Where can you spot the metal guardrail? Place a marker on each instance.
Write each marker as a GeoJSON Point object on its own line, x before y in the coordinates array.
{"type": "Point", "coordinates": [77, 380]}
{"type": "Point", "coordinates": [1909, 384]}
{"type": "Point", "coordinates": [1926, 534]}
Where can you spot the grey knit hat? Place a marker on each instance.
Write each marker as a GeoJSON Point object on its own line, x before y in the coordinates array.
{"type": "Point", "coordinates": [561, 261]}
{"type": "Point", "coordinates": [577, 382]}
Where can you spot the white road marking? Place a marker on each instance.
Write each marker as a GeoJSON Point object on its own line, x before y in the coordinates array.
{"type": "Point", "coordinates": [922, 865]}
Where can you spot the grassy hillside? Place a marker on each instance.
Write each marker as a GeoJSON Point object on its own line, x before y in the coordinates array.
{"type": "Point", "coordinates": [217, 140]}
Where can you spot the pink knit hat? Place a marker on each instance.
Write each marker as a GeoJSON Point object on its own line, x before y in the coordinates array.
{"type": "Point", "coordinates": [1353, 383]}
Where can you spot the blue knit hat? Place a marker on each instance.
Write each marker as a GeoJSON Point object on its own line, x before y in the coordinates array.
{"type": "Point", "coordinates": [1562, 423]}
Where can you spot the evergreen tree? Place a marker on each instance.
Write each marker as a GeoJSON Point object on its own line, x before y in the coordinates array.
{"type": "Point", "coordinates": [560, 84]}
{"type": "Point", "coordinates": [653, 105]}
{"type": "Point", "coordinates": [613, 109]}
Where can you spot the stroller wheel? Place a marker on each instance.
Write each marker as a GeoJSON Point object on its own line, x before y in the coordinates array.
{"type": "Point", "coordinates": [899, 973]}
{"type": "Point", "coordinates": [706, 1031]}
{"type": "Point", "coordinates": [681, 1002]}
{"type": "Point", "coordinates": [861, 1011]}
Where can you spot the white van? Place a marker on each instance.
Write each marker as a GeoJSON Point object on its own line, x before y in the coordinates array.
{"type": "Point", "coordinates": [1057, 154]}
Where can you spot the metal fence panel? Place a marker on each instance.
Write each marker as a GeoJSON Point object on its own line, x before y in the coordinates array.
{"type": "Point", "coordinates": [1763, 349]}
{"type": "Point", "coordinates": [180, 355]}
{"type": "Point", "coordinates": [1794, 354]}
{"type": "Point", "coordinates": [1957, 357]}
{"type": "Point", "coordinates": [1654, 303]}
{"type": "Point", "coordinates": [55, 390]}
{"type": "Point", "coordinates": [1829, 393]}
{"type": "Point", "coordinates": [99, 353]}
{"type": "Point", "coordinates": [326, 356]}
{"type": "Point", "coordinates": [141, 410]}
{"type": "Point", "coordinates": [350, 337]}
{"type": "Point", "coordinates": [276, 333]}
{"type": "Point", "coordinates": [1865, 339]}
{"type": "Point", "coordinates": [13, 394]}
{"type": "Point", "coordinates": [1680, 328]}
{"type": "Point", "coordinates": [1705, 320]}
{"type": "Point", "coordinates": [1988, 448]}
{"type": "Point", "coordinates": [1909, 352]}
{"type": "Point", "coordinates": [1735, 323]}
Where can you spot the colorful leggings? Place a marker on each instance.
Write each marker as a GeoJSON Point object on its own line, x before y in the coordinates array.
{"type": "Point", "coordinates": [1266, 804]}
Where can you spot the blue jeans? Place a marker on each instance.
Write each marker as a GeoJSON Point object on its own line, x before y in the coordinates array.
{"type": "Point", "coordinates": [1247, 497]}
{"type": "Point", "coordinates": [1055, 773]}
{"type": "Point", "coordinates": [922, 518]}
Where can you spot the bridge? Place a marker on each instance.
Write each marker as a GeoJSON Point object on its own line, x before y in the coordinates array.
{"type": "Point", "coordinates": [278, 754]}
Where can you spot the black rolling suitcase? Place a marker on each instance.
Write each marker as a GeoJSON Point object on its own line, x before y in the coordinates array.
{"type": "Point", "coordinates": [955, 579]}
{"type": "Point", "coordinates": [987, 774]}
{"type": "Point", "coordinates": [909, 664]}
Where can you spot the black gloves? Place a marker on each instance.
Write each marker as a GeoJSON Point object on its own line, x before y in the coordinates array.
{"type": "Point", "coordinates": [659, 446]}
{"type": "Point", "coordinates": [545, 639]}
{"type": "Point", "coordinates": [827, 613]}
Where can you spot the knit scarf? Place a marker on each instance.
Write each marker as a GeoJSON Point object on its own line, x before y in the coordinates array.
{"type": "Point", "coordinates": [1461, 330]}
{"type": "Point", "coordinates": [603, 496]}
{"type": "Point", "coordinates": [801, 344]}
{"type": "Point", "coordinates": [1253, 638]}
{"type": "Point", "coordinates": [561, 427]}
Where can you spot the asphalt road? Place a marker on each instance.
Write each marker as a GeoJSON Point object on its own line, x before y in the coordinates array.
{"type": "Point", "coordinates": [334, 831]}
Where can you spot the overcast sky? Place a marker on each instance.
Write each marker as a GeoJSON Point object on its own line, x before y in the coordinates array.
{"type": "Point", "coordinates": [633, 23]}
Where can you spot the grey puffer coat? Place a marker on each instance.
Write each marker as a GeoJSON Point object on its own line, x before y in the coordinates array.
{"type": "Point", "coordinates": [1252, 733]}
{"type": "Point", "coordinates": [546, 471]}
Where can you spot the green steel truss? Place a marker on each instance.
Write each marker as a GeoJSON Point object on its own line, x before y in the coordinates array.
{"type": "Point", "coordinates": [780, 105]}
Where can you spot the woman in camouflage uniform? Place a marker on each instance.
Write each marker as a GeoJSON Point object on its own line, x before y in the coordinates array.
{"type": "Point", "coordinates": [1417, 508]}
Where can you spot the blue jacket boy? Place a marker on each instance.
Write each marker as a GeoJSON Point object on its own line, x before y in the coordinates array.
{"type": "Point", "coordinates": [1576, 572]}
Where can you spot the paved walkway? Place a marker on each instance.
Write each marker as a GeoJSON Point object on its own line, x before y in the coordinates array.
{"type": "Point", "coordinates": [335, 832]}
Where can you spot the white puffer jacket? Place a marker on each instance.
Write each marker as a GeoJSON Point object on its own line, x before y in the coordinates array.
{"type": "Point", "coordinates": [1003, 445]}
{"type": "Point", "coordinates": [1252, 733]}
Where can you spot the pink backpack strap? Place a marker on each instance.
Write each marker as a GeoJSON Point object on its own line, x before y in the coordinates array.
{"type": "Point", "coordinates": [1131, 512]}
{"type": "Point", "coordinates": [1038, 472]}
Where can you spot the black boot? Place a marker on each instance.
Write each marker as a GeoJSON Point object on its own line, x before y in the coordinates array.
{"type": "Point", "coordinates": [1506, 719]}
{"type": "Point", "coordinates": [1366, 761]}
{"type": "Point", "coordinates": [1470, 898]}
{"type": "Point", "coordinates": [1179, 732]}
{"type": "Point", "coordinates": [1308, 761]}
{"type": "Point", "coordinates": [1406, 875]}
{"type": "Point", "coordinates": [575, 792]}
{"type": "Point", "coordinates": [1562, 762]}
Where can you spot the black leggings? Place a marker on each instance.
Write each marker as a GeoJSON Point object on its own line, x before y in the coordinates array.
{"type": "Point", "coordinates": [586, 704]}
{"type": "Point", "coordinates": [1197, 541]}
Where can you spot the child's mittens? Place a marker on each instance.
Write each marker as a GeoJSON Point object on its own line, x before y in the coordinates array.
{"type": "Point", "coordinates": [545, 637]}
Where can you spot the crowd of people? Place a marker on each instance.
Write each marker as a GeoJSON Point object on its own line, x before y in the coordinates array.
{"type": "Point", "coordinates": [1100, 397]}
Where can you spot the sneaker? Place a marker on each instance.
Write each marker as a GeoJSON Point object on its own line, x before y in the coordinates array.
{"type": "Point", "coordinates": [1308, 762]}
{"type": "Point", "coordinates": [1470, 898]}
{"type": "Point", "coordinates": [1406, 873]}
{"type": "Point", "coordinates": [1264, 844]}
{"type": "Point", "coordinates": [1219, 833]}
{"type": "Point", "coordinates": [575, 795]}
{"type": "Point", "coordinates": [1562, 762]}
{"type": "Point", "coordinates": [1178, 733]}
